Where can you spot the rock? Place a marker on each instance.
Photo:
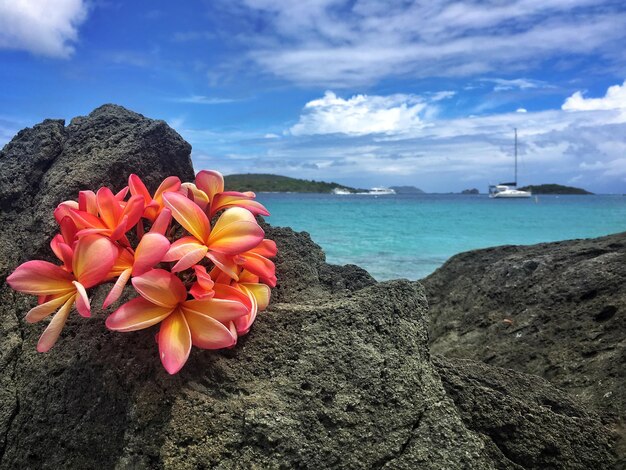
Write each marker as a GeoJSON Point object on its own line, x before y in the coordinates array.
{"type": "Point", "coordinates": [556, 310]}
{"type": "Point", "coordinates": [335, 374]}
{"type": "Point", "coordinates": [521, 416]}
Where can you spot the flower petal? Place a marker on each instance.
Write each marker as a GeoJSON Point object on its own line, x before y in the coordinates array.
{"type": "Point", "coordinates": [196, 195]}
{"type": "Point", "coordinates": [137, 188]}
{"type": "Point", "coordinates": [225, 263]}
{"type": "Point", "coordinates": [207, 333]}
{"type": "Point", "coordinates": [109, 208]}
{"type": "Point", "coordinates": [234, 199]}
{"type": "Point", "coordinates": [118, 288]}
{"type": "Point", "coordinates": [226, 292]}
{"type": "Point", "coordinates": [259, 265]}
{"type": "Point", "coordinates": [260, 292]}
{"type": "Point", "coordinates": [211, 182]}
{"type": "Point", "coordinates": [53, 331]}
{"type": "Point", "coordinates": [190, 259]}
{"type": "Point", "coordinates": [62, 251]}
{"type": "Point", "coordinates": [181, 247]}
{"type": "Point", "coordinates": [94, 256]}
{"type": "Point", "coordinates": [162, 222]}
{"type": "Point", "coordinates": [188, 214]}
{"type": "Point", "coordinates": [136, 314]}
{"type": "Point", "coordinates": [266, 248]}
{"type": "Point", "coordinates": [161, 288]}
{"type": "Point", "coordinates": [82, 300]}
{"type": "Point", "coordinates": [41, 278]}
{"type": "Point", "coordinates": [41, 311]}
{"type": "Point", "coordinates": [219, 309]}
{"type": "Point", "coordinates": [174, 342]}
{"type": "Point", "coordinates": [149, 252]}
{"type": "Point", "coordinates": [87, 202]}
{"type": "Point", "coordinates": [169, 184]}
{"type": "Point", "coordinates": [235, 231]}
{"type": "Point", "coordinates": [133, 210]}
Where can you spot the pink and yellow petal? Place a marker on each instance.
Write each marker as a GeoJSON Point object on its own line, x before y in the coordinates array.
{"type": "Point", "coordinates": [94, 256]}
{"type": "Point", "coordinates": [118, 288]}
{"type": "Point", "coordinates": [82, 300]}
{"type": "Point", "coordinates": [188, 214]}
{"type": "Point", "coordinates": [161, 288]}
{"type": "Point", "coordinates": [136, 314]}
{"type": "Point", "coordinates": [44, 309]}
{"type": "Point", "coordinates": [211, 182]}
{"type": "Point", "coordinates": [41, 278]}
{"type": "Point", "coordinates": [150, 251]}
{"type": "Point", "coordinates": [208, 333]}
{"type": "Point", "coordinates": [219, 309]}
{"type": "Point", "coordinates": [53, 331]}
{"type": "Point", "coordinates": [236, 231]}
{"type": "Point", "coordinates": [260, 292]}
{"type": "Point", "coordinates": [174, 342]}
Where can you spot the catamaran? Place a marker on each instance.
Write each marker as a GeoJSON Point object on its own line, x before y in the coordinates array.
{"type": "Point", "coordinates": [508, 190]}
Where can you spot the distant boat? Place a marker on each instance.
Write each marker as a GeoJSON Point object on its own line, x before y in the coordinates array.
{"type": "Point", "coordinates": [509, 190]}
{"type": "Point", "coordinates": [341, 191]}
{"type": "Point", "coordinates": [381, 191]}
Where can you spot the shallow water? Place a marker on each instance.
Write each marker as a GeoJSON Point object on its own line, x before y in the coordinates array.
{"type": "Point", "coordinates": [410, 236]}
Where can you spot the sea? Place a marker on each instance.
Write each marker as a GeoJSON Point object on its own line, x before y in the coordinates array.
{"type": "Point", "coordinates": [410, 236]}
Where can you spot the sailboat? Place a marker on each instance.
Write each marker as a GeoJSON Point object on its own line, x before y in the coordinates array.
{"type": "Point", "coordinates": [509, 190]}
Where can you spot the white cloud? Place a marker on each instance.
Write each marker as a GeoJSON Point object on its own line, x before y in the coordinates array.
{"type": "Point", "coordinates": [615, 98]}
{"type": "Point", "coordinates": [521, 110]}
{"type": "Point", "coordinates": [360, 115]}
{"type": "Point", "coordinates": [271, 135]}
{"type": "Point", "coordinates": [502, 84]}
{"type": "Point", "coordinates": [335, 43]}
{"type": "Point", "coordinates": [48, 28]}
{"type": "Point", "coordinates": [200, 99]}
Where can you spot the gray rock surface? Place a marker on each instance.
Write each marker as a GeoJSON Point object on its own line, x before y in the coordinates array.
{"type": "Point", "coordinates": [335, 374]}
{"type": "Point", "coordinates": [556, 310]}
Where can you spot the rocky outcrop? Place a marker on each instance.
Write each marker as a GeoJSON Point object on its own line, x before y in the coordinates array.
{"type": "Point", "coordinates": [556, 310]}
{"type": "Point", "coordinates": [335, 374]}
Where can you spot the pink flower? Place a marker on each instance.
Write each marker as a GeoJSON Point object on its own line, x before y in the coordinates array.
{"type": "Point", "coordinates": [183, 322]}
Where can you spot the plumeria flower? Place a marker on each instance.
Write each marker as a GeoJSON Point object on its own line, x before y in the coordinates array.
{"type": "Point", "coordinates": [153, 205]}
{"type": "Point", "coordinates": [236, 231]}
{"type": "Point", "coordinates": [209, 194]}
{"type": "Point", "coordinates": [61, 288]}
{"type": "Point", "coordinates": [163, 299]}
{"type": "Point", "coordinates": [112, 220]}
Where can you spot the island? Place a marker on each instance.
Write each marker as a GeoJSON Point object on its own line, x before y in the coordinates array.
{"type": "Point", "coordinates": [553, 189]}
{"type": "Point", "coordinates": [259, 182]}
{"type": "Point", "coordinates": [407, 190]}
{"type": "Point", "coordinates": [470, 191]}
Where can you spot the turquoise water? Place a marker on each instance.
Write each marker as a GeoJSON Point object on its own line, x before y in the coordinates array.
{"type": "Point", "coordinates": [410, 236]}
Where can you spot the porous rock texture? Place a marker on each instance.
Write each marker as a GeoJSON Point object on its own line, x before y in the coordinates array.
{"type": "Point", "coordinates": [335, 374]}
{"type": "Point", "coordinates": [557, 310]}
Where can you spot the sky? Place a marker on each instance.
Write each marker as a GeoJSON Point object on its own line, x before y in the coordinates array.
{"type": "Point", "coordinates": [364, 93]}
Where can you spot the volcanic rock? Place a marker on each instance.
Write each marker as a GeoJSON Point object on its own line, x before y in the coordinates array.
{"type": "Point", "coordinates": [556, 310]}
{"type": "Point", "coordinates": [336, 373]}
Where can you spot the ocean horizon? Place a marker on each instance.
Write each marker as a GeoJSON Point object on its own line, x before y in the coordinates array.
{"type": "Point", "coordinates": [411, 235]}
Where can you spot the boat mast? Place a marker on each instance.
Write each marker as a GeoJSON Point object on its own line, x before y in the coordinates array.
{"type": "Point", "coordinates": [515, 157]}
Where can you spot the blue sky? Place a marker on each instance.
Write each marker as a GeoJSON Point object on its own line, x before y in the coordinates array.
{"type": "Point", "coordinates": [365, 93]}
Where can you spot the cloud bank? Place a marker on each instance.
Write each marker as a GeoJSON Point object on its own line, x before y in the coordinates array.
{"type": "Point", "coordinates": [47, 28]}
{"type": "Point", "coordinates": [336, 43]}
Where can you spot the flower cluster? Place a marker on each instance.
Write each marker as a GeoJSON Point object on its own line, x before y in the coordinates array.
{"type": "Point", "coordinates": [203, 283]}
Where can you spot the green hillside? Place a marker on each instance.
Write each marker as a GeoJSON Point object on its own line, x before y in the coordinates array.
{"type": "Point", "coordinates": [554, 189]}
{"type": "Point", "coordinates": [276, 183]}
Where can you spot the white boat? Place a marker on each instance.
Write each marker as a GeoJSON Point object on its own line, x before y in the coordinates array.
{"type": "Point", "coordinates": [381, 191]}
{"type": "Point", "coordinates": [509, 190]}
{"type": "Point", "coordinates": [342, 191]}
